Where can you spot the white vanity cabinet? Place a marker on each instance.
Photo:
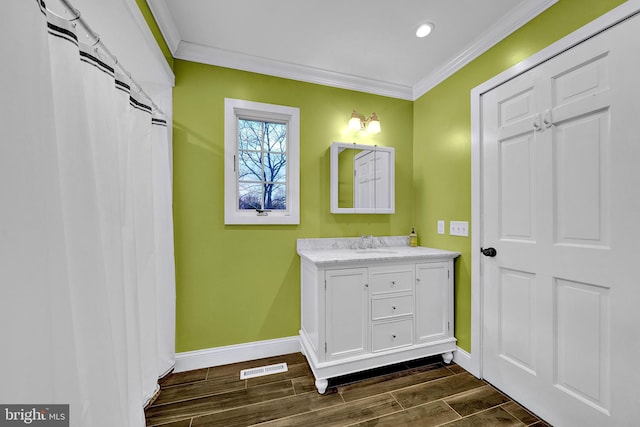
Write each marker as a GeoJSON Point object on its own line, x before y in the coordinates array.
{"type": "Point", "coordinates": [363, 309]}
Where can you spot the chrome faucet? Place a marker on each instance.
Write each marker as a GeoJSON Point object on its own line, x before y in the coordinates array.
{"type": "Point", "coordinates": [366, 242]}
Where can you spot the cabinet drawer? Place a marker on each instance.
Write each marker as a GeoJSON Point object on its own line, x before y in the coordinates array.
{"type": "Point", "coordinates": [391, 279]}
{"type": "Point", "coordinates": [384, 307]}
{"type": "Point", "coordinates": [388, 335]}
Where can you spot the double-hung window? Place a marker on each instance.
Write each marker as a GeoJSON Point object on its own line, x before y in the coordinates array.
{"type": "Point", "coordinates": [262, 172]}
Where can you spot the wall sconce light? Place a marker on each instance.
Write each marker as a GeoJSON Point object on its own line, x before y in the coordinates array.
{"type": "Point", "coordinates": [359, 122]}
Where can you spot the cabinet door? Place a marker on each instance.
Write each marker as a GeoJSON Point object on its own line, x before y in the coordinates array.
{"type": "Point", "coordinates": [434, 293]}
{"type": "Point", "coordinates": [347, 316]}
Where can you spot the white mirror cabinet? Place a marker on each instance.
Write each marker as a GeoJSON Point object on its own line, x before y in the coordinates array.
{"type": "Point", "coordinates": [362, 179]}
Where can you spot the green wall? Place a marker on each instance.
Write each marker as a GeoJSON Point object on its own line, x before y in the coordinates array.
{"type": "Point", "coordinates": [442, 138]}
{"type": "Point", "coordinates": [238, 284]}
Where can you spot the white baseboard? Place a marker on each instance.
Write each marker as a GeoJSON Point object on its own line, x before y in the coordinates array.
{"type": "Point", "coordinates": [217, 356]}
{"type": "Point", "coordinates": [463, 358]}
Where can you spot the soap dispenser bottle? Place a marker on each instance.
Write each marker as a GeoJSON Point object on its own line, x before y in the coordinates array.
{"type": "Point", "coordinates": [413, 238]}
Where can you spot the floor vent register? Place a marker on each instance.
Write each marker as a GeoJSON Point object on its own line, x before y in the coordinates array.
{"type": "Point", "coordinates": [263, 370]}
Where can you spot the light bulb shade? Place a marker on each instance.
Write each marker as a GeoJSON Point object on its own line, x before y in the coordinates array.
{"type": "Point", "coordinates": [374, 124]}
{"type": "Point", "coordinates": [355, 122]}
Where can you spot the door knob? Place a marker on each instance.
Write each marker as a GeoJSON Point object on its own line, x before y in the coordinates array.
{"type": "Point", "coordinates": [491, 252]}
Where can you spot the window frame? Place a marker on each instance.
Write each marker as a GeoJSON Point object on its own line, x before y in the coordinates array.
{"type": "Point", "coordinates": [235, 109]}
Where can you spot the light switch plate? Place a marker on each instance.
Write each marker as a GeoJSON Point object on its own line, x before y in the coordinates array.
{"type": "Point", "coordinates": [440, 227]}
{"type": "Point", "coordinates": [459, 228]}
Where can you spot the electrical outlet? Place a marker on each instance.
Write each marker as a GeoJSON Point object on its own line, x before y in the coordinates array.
{"type": "Point", "coordinates": [440, 227]}
{"type": "Point", "coordinates": [459, 228]}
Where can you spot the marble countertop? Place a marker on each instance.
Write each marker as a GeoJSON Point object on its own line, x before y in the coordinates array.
{"type": "Point", "coordinates": [357, 249]}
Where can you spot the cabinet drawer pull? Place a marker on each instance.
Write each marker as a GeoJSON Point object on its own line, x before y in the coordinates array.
{"type": "Point", "coordinates": [393, 308]}
{"type": "Point", "coordinates": [393, 283]}
{"type": "Point", "coordinates": [393, 336]}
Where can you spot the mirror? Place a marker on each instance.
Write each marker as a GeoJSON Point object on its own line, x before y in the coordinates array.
{"type": "Point", "coordinates": [362, 179]}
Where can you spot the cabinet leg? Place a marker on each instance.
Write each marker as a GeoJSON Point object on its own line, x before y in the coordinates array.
{"type": "Point", "coordinates": [447, 357]}
{"type": "Point", "coordinates": [321, 385]}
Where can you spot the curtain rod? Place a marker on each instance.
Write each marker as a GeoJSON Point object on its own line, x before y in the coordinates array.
{"type": "Point", "coordinates": [98, 43]}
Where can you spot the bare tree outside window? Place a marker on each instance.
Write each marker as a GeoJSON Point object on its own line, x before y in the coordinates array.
{"type": "Point", "coordinates": [262, 165]}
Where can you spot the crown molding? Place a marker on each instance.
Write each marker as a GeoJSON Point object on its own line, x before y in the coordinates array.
{"type": "Point", "coordinates": [165, 22]}
{"type": "Point", "coordinates": [150, 41]}
{"type": "Point", "coordinates": [212, 56]}
{"type": "Point", "coordinates": [223, 58]}
{"type": "Point", "coordinates": [511, 22]}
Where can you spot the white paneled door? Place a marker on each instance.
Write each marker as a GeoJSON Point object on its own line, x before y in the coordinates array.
{"type": "Point", "coordinates": [561, 208]}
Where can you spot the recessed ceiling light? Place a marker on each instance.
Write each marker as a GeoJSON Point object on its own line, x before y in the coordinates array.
{"type": "Point", "coordinates": [424, 30]}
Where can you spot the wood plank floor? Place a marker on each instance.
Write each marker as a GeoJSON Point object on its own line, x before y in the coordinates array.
{"type": "Point", "coordinates": [419, 393]}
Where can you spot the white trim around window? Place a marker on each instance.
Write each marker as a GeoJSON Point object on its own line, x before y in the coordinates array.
{"type": "Point", "coordinates": [235, 109]}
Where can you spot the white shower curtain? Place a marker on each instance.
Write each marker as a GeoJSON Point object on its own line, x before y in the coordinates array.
{"type": "Point", "coordinates": [87, 305]}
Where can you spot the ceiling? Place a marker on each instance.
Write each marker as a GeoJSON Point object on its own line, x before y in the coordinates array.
{"type": "Point", "coordinates": [367, 46]}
